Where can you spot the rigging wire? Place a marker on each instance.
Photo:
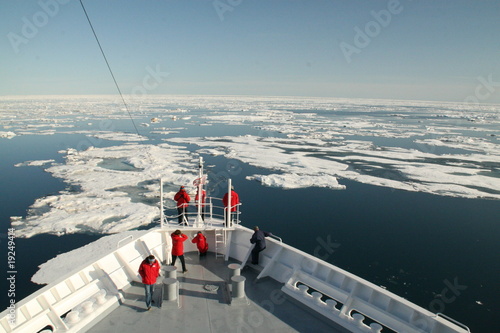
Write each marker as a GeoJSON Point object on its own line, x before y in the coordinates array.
{"type": "Point", "coordinates": [109, 67]}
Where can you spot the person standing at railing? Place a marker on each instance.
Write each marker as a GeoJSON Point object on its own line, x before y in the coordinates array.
{"type": "Point", "coordinates": [235, 200]}
{"type": "Point", "coordinates": [149, 270]}
{"type": "Point", "coordinates": [178, 239]}
{"type": "Point", "coordinates": [259, 239]}
{"type": "Point", "coordinates": [182, 198]}
{"type": "Point", "coordinates": [201, 201]}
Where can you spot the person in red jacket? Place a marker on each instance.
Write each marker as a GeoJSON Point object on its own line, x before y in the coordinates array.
{"type": "Point", "coordinates": [201, 243]}
{"type": "Point", "coordinates": [149, 270]}
{"type": "Point", "coordinates": [182, 198]}
{"type": "Point", "coordinates": [235, 200]}
{"type": "Point", "coordinates": [201, 201]}
{"type": "Point", "coordinates": [178, 239]}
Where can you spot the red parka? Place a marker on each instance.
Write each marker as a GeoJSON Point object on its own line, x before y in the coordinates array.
{"type": "Point", "coordinates": [201, 243]}
{"type": "Point", "coordinates": [203, 198]}
{"type": "Point", "coordinates": [178, 244]}
{"type": "Point", "coordinates": [149, 272]}
{"type": "Point", "coordinates": [182, 198]}
{"type": "Point", "coordinates": [235, 199]}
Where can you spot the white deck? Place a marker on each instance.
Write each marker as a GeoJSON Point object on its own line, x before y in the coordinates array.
{"type": "Point", "coordinates": [199, 310]}
{"type": "Point", "coordinates": [289, 291]}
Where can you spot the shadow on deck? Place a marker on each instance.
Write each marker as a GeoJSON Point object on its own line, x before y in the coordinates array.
{"type": "Point", "coordinates": [201, 309]}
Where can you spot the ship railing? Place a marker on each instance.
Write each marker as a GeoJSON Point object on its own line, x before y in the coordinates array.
{"type": "Point", "coordinates": [212, 210]}
{"type": "Point", "coordinates": [348, 300]}
{"type": "Point", "coordinates": [276, 237]}
{"type": "Point", "coordinates": [118, 244]}
{"type": "Point", "coordinates": [76, 301]}
{"type": "Point", "coordinates": [439, 314]}
{"type": "Point", "coordinates": [220, 211]}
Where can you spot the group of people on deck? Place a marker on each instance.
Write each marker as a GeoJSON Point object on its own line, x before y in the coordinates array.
{"type": "Point", "coordinates": [182, 198]}
{"type": "Point", "coordinates": [149, 269]}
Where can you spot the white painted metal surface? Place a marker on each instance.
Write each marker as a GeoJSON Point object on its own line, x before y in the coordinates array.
{"type": "Point", "coordinates": [344, 298]}
{"type": "Point", "coordinates": [76, 302]}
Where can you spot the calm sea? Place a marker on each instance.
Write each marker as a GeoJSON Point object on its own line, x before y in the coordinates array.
{"type": "Point", "coordinates": [439, 252]}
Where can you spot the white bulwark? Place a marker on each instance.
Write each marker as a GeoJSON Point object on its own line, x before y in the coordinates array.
{"type": "Point", "coordinates": [300, 283]}
{"type": "Point", "coordinates": [289, 290]}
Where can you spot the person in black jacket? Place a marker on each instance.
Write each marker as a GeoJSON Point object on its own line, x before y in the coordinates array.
{"type": "Point", "coordinates": [259, 239]}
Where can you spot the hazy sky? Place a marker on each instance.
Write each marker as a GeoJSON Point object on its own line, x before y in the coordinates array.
{"type": "Point", "coordinates": [425, 50]}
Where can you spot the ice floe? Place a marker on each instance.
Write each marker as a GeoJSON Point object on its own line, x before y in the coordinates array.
{"type": "Point", "coordinates": [7, 135]}
{"type": "Point", "coordinates": [317, 162]}
{"type": "Point", "coordinates": [105, 203]}
{"type": "Point", "coordinates": [440, 148]}
{"type": "Point", "coordinates": [120, 136]}
{"type": "Point", "coordinates": [298, 181]}
{"type": "Point", "coordinates": [35, 163]}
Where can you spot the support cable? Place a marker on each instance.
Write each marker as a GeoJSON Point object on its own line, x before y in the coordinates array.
{"type": "Point", "coordinates": [109, 67]}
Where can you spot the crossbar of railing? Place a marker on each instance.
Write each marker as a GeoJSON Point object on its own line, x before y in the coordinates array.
{"type": "Point", "coordinates": [210, 211]}
{"type": "Point", "coordinates": [439, 314]}
{"type": "Point", "coordinates": [276, 237]}
{"type": "Point", "coordinates": [121, 240]}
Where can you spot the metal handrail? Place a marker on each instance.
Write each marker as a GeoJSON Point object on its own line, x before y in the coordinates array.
{"type": "Point", "coordinates": [121, 240]}
{"type": "Point", "coordinates": [278, 238]}
{"type": "Point", "coordinates": [439, 314]}
{"type": "Point", "coordinates": [208, 203]}
{"type": "Point", "coordinates": [190, 212]}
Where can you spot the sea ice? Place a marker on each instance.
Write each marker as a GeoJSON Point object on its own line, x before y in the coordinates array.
{"type": "Point", "coordinates": [102, 206]}
{"type": "Point", "coordinates": [7, 135]}
{"type": "Point", "coordinates": [407, 169]}
{"type": "Point", "coordinates": [304, 142]}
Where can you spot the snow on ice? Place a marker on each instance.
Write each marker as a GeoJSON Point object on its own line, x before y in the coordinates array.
{"type": "Point", "coordinates": [439, 148]}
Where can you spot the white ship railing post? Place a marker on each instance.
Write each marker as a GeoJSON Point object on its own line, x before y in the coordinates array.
{"type": "Point", "coordinates": [237, 213]}
{"type": "Point", "coordinates": [210, 209]}
{"type": "Point", "coordinates": [229, 207]}
{"type": "Point", "coordinates": [161, 203]}
{"type": "Point", "coordinates": [199, 194]}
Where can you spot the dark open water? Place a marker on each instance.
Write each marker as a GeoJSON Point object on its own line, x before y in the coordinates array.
{"type": "Point", "coordinates": [416, 245]}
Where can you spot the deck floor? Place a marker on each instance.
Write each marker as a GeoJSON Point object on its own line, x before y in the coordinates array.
{"type": "Point", "coordinates": [266, 308]}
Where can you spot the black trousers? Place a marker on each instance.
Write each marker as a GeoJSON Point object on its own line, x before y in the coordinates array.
{"type": "Point", "coordinates": [182, 212]}
{"type": "Point", "coordinates": [255, 255]}
{"type": "Point", "coordinates": [183, 262]}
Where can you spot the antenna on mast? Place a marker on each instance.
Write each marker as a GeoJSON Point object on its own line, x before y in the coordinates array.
{"type": "Point", "coordinates": [200, 198]}
{"type": "Point", "coordinates": [162, 217]}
